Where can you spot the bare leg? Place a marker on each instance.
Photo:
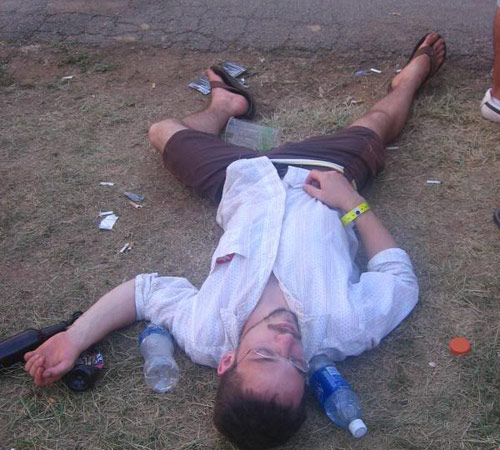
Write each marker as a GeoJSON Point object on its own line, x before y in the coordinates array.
{"type": "Point", "coordinates": [388, 116]}
{"type": "Point", "coordinates": [223, 105]}
{"type": "Point", "coordinates": [496, 63]}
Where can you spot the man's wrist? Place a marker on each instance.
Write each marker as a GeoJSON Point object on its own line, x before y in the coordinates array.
{"type": "Point", "coordinates": [352, 203]}
{"type": "Point", "coordinates": [354, 213]}
{"type": "Point", "coordinates": [76, 337]}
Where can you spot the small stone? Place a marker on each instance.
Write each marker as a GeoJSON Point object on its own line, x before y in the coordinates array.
{"type": "Point", "coordinates": [314, 28]}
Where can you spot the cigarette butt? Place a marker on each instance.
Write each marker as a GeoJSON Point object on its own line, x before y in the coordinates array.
{"type": "Point", "coordinates": [135, 205]}
{"type": "Point", "coordinates": [375, 70]}
{"type": "Point", "coordinates": [433, 182]}
{"type": "Point", "coordinates": [126, 248]}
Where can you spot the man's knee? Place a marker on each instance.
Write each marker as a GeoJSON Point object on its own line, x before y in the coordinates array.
{"type": "Point", "coordinates": [160, 132]}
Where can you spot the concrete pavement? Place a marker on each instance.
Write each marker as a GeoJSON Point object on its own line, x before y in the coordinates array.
{"type": "Point", "coordinates": [375, 27]}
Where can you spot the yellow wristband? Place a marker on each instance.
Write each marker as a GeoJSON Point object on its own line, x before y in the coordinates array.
{"type": "Point", "coordinates": [354, 213]}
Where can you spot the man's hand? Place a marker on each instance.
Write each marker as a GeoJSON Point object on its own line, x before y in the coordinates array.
{"type": "Point", "coordinates": [116, 309]}
{"type": "Point", "coordinates": [333, 189]}
{"type": "Point", "coordinates": [49, 362]}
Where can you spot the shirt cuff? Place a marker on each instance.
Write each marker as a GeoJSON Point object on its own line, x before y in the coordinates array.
{"type": "Point", "coordinates": [388, 256]}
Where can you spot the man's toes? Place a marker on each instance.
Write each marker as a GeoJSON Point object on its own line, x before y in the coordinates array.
{"type": "Point", "coordinates": [212, 76]}
{"type": "Point", "coordinates": [430, 40]}
{"type": "Point", "coordinates": [440, 53]}
{"type": "Point", "coordinates": [439, 43]}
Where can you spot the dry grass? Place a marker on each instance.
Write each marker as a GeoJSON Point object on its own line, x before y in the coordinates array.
{"type": "Point", "coordinates": [58, 140]}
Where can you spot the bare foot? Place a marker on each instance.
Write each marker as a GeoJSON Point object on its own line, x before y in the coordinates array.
{"type": "Point", "coordinates": [417, 69]}
{"type": "Point", "coordinates": [225, 101]}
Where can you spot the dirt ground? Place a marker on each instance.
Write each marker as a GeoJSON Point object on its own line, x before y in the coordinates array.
{"type": "Point", "coordinates": [59, 139]}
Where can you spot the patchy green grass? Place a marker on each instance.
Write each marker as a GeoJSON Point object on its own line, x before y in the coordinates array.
{"type": "Point", "coordinates": [76, 58]}
{"type": "Point", "coordinates": [5, 77]}
{"type": "Point", "coordinates": [85, 61]}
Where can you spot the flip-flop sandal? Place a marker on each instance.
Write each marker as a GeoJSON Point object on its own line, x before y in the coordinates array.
{"type": "Point", "coordinates": [231, 84]}
{"type": "Point", "coordinates": [427, 50]}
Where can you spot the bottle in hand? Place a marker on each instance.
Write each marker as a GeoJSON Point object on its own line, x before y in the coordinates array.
{"type": "Point", "coordinates": [340, 402]}
{"type": "Point", "coordinates": [160, 369]}
{"type": "Point", "coordinates": [12, 349]}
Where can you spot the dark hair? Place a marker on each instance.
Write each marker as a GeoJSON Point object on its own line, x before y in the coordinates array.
{"type": "Point", "coordinates": [252, 423]}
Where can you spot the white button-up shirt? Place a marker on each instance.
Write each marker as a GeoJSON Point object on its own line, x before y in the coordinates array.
{"type": "Point", "coordinates": [273, 226]}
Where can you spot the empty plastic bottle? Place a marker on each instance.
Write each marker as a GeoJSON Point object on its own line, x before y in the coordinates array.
{"type": "Point", "coordinates": [340, 402]}
{"type": "Point", "coordinates": [160, 369]}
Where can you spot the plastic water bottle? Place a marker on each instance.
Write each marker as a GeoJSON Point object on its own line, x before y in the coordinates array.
{"type": "Point", "coordinates": [340, 402]}
{"type": "Point", "coordinates": [160, 369]}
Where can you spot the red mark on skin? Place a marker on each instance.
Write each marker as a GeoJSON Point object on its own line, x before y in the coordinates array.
{"type": "Point", "coordinates": [224, 259]}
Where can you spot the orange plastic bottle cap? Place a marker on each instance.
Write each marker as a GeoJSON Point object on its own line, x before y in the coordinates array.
{"type": "Point", "coordinates": [459, 346]}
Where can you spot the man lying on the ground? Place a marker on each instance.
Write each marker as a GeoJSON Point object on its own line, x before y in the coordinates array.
{"type": "Point", "coordinates": [283, 285]}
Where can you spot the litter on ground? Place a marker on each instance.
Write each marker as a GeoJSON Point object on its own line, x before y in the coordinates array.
{"type": "Point", "coordinates": [137, 198]}
{"type": "Point", "coordinates": [202, 83]}
{"type": "Point", "coordinates": [233, 69]}
{"type": "Point", "coordinates": [460, 346]}
{"type": "Point", "coordinates": [108, 222]}
{"type": "Point", "coordinates": [135, 205]}
{"type": "Point", "coordinates": [126, 248]}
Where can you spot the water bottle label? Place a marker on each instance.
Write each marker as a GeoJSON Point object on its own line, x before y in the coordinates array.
{"type": "Point", "coordinates": [325, 381]}
{"type": "Point", "coordinates": [153, 329]}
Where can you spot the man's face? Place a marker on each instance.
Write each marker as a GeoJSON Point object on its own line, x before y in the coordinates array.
{"type": "Point", "coordinates": [278, 334]}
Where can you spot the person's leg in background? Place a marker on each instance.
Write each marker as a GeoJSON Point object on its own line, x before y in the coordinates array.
{"type": "Point", "coordinates": [490, 105]}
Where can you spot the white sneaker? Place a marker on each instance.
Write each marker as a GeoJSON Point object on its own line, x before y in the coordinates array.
{"type": "Point", "coordinates": [488, 110]}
